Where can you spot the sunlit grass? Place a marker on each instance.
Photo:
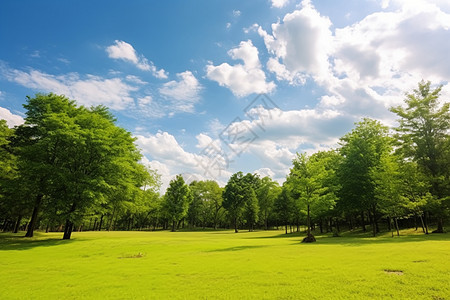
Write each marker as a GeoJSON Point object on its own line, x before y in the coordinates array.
{"type": "Point", "coordinates": [223, 265]}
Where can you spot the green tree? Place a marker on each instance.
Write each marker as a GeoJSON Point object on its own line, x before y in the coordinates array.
{"type": "Point", "coordinates": [39, 149]}
{"type": "Point", "coordinates": [423, 133]}
{"type": "Point", "coordinates": [250, 184]}
{"type": "Point", "coordinates": [177, 200]}
{"type": "Point", "coordinates": [266, 194]}
{"type": "Point", "coordinates": [307, 180]}
{"type": "Point", "coordinates": [207, 202]}
{"type": "Point", "coordinates": [9, 201]}
{"type": "Point", "coordinates": [362, 150]}
{"type": "Point", "coordinates": [284, 206]}
{"type": "Point", "coordinates": [234, 198]}
{"type": "Point", "coordinates": [389, 189]}
{"type": "Point", "coordinates": [74, 158]}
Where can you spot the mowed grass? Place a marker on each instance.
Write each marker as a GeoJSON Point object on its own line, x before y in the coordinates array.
{"type": "Point", "coordinates": [223, 265]}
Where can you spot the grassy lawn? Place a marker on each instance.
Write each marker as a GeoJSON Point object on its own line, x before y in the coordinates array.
{"type": "Point", "coordinates": [223, 265]}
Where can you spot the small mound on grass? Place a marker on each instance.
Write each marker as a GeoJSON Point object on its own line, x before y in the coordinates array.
{"type": "Point", "coordinates": [396, 272]}
{"type": "Point", "coordinates": [309, 239]}
{"type": "Point", "coordinates": [138, 255]}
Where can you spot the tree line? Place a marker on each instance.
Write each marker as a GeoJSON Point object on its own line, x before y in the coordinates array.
{"type": "Point", "coordinates": [72, 168]}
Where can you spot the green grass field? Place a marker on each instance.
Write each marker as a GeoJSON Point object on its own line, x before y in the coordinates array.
{"type": "Point", "coordinates": [223, 265]}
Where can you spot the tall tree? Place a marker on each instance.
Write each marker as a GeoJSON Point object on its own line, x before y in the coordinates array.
{"type": "Point", "coordinates": [74, 157]}
{"type": "Point", "coordinates": [284, 206]}
{"type": "Point", "coordinates": [266, 194]}
{"type": "Point", "coordinates": [207, 202]}
{"type": "Point", "coordinates": [423, 131]}
{"type": "Point", "coordinates": [39, 150]}
{"type": "Point", "coordinates": [177, 200]}
{"type": "Point", "coordinates": [250, 184]}
{"type": "Point", "coordinates": [307, 180]}
{"type": "Point", "coordinates": [362, 150]}
{"type": "Point", "coordinates": [234, 198]}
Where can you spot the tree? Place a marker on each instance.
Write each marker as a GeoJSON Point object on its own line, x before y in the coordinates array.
{"type": "Point", "coordinates": [177, 200]}
{"type": "Point", "coordinates": [10, 204]}
{"type": "Point", "coordinates": [389, 189]}
{"type": "Point", "coordinates": [423, 131]}
{"type": "Point", "coordinates": [234, 198]}
{"type": "Point", "coordinates": [362, 150]}
{"type": "Point", "coordinates": [74, 158]}
{"type": "Point", "coordinates": [207, 202]}
{"type": "Point", "coordinates": [284, 206]}
{"type": "Point", "coordinates": [307, 181]}
{"type": "Point", "coordinates": [251, 183]}
{"type": "Point", "coordinates": [39, 149]}
{"type": "Point", "coordinates": [266, 194]}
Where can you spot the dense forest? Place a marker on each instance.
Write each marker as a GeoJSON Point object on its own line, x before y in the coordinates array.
{"type": "Point", "coordinates": [70, 168]}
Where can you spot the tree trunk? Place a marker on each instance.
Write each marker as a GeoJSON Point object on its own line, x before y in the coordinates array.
{"type": "Point", "coordinates": [235, 226]}
{"type": "Point", "coordinates": [351, 222]}
{"type": "Point", "coordinates": [415, 221]}
{"type": "Point", "coordinates": [396, 226]}
{"type": "Point", "coordinates": [363, 223]}
{"type": "Point", "coordinates": [101, 223]}
{"type": "Point", "coordinates": [440, 228]}
{"type": "Point", "coordinates": [388, 219]}
{"type": "Point", "coordinates": [68, 230]}
{"type": "Point", "coordinates": [426, 222]}
{"type": "Point", "coordinates": [110, 221]}
{"type": "Point", "coordinates": [5, 225]}
{"type": "Point", "coordinates": [34, 215]}
{"type": "Point", "coordinates": [266, 223]}
{"type": "Point", "coordinates": [16, 226]}
{"type": "Point", "coordinates": [422, 223]}
{"type": "Point", "coordinates": [174, 224]}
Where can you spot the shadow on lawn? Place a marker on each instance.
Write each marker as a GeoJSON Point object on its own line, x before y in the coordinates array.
{"type": "Point", "coordinates": [9, 241]}
{"type": "Point", "coordinates": [361, 238]}
{"type": "Point", "coordinates": [237, 248]}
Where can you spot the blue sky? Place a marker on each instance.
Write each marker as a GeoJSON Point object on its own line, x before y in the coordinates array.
{"type": "Point", "coordinates": [210, 88]}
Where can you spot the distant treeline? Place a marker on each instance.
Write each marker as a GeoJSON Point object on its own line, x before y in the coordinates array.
{"type": "Point", "coordinates": [72, 168]}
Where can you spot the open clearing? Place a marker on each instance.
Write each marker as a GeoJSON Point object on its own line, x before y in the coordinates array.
{"type": "Point", "coordinates": [223, 265]}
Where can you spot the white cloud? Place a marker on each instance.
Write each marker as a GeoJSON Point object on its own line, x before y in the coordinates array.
{"type": "Point", "coordinates": [241, 79]}
{"type": "Point", "coordinates": [236, 13]}
{"type": "Point", "coordinates": [124, 51]}
{"type": "Point", "coordinates": [11, 119]}
{"type": "Point", "coordinates": [184, 93]}
{"type": "Point", "coordinates": [279, 3]}
{"type": "Point", "coordinates": [385, 55]}
{"type": "Point", "coordinates": [169, 157]}
{"type": "Point", "coordinates": [87, 90]}
{"type": "Point", "coordinates": [302, 42]}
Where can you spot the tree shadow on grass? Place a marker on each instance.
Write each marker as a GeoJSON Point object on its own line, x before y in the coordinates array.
{"type": "Point", "coordinates": [9, 241]}
{"type": "Point", "coordinates": [237, 248]}
{"type": "Point", "coordinates": [361, 239]}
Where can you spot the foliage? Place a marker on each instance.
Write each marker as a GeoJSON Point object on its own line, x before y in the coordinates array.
{"type": "Point", "coordinates": [423, 133]}
{"type": "Point", "coordinates": [177, 199]}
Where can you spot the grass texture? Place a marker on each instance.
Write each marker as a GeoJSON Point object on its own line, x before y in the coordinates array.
{"type": "Point", "coordinates": [224, 265]}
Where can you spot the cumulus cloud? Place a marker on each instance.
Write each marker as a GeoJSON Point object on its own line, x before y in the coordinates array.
{"type": "Point", "coordinates": [301, 42]}
{"type": "Point", "coordinates": [11, 119]}
{"type": "Point", "coordinates": [184, 92]}
{"type": "Point", "coordinates": [279, 3]}
{"type": "Point", "coordinates": [242, 79]}
{"type": "Point", "coordinates": [168, 156]}
{"type": "Point", "coordinates": [124, 51]}
{"type": "Point", "coordinates": [87, 90]}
